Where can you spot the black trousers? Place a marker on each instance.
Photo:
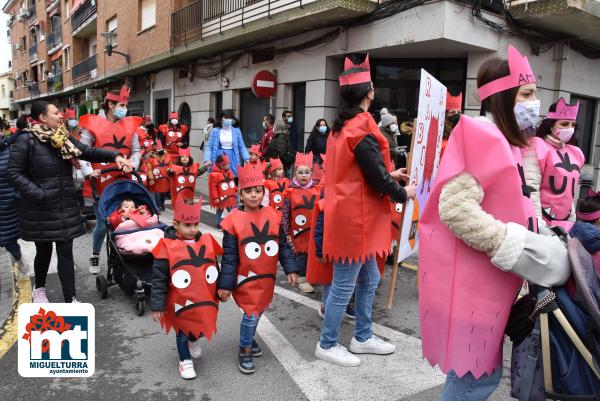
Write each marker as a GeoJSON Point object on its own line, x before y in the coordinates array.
{"type": "Point", "coordinates": [66, 266]}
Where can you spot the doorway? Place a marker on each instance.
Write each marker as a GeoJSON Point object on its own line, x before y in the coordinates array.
{"type": "Point", "coordinates": [252, 110]}
{"type": "Point", "coordinates": [299, 106]}
{"type": "Point", "coordinates": [161, 111]}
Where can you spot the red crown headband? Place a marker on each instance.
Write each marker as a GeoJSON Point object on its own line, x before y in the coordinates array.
{"type": "Point", "coordinates": [564, 111]}
{"type": "Point", "coordinates": [275, 164]}
{"type": "Point", "coordinates": [187, 213]}
{"type": "Point", "coordinates": [520, 74]}
{"type": "Point", "coordinates": [454, 102]}
{"type": "Point", "coordinates": [256, 150]}
{"type": "Point", "coordinates": [122, 97]}
{"type": "Point", "coordinates": [304, 159]}
{"type": "Point", "coordinates": [69, 114]}
{"type": "Point", "coordinates": [185, 152]}
{"type": "Point", "coordinates": [173, 114]}
{"type": "Point", "coordinates": [356, 77]}
{"type": "Point", "coordinates": [250, 176]}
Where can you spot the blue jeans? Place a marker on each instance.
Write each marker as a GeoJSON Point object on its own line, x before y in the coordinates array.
{"type": "Point", "coordinates": [467, 388]}
{"type": "Point", "coordinates": [348, 276]}
{"type": "Point", "coordinates": [325, 293]}
{"type": "Point", "coordinates": [219, 216]}
{"type": "Point", "coordinates": [182, 345]}
{"type": "Point", "coordinates": [99, 232]}
{"type": "Point", "coordinates": [301, 260]}
{"type": "Point", "coordinates": [248, 330]}
{"type": "Point", "coordinates": [14, 249]}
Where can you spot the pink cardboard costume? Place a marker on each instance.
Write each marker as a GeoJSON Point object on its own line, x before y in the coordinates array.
{"type": "Point", "coordinates": [464, 300]}
{"type": "Point", "coordinates": [560, 173]}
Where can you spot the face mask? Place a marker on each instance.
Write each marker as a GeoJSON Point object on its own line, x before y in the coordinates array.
{"type": "Point", "coordinates": [527, 113]}
{"type": "Point", "coordinates": [120, 112]}
{"type": "Point", "coordinates": [393, 127]}
{"type": "Point", "coordinates": [72, 124]}
{"type": "Point", "coordinates": [174, 121]}
{"type": "Point", "coordinates": [323, 129]}
{"type": "Point", "coordinates": [454, 118]}
{"type": "Point", "coordinates": [264, 125]}
{"type": "Point", "coordinates": [290, 120]}
{"type": "Point", "coordinates": [227, 122]}
{"type": "Point", "coordinates": [565, 134]}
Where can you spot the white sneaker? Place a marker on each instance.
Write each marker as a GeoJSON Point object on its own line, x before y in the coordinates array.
{"type": "Point", "coordinates": [94, 264]}
{"type": "Point", "coordinates": [195, 349]}
{"type": "Point", "coordinates": [306, 287]}
{"type": "Point", "coordinates": [301, 280]}
{"type": "Point", "coordinates": [39, 296]}
{"type": "Point", "coordinates": [373, 345]}
{"type": "Point", "coordinates": [186, 369]}
{"type": "Point", "coordinates": [75, 301]}
{"type": "Point", "coordinates": [337, 354]}
{"type": "Point", "coordinates": [322, 311]}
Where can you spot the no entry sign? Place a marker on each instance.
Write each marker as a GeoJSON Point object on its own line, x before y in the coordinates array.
{"type": "Point", "coordinates": [264, 84]}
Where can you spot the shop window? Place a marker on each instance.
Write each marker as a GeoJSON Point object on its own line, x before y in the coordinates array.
{"type": "Point", "coordinates": [585, 124]}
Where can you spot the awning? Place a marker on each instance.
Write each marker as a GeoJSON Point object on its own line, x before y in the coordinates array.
{"type": "Point", "coordinates": [56, 56]}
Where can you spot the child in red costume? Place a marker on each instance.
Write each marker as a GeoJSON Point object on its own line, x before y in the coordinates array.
{"type": "Point", "coordinates": [221, 187]}
{"type": "Point", "coordinates": [124, 211]}
{"type": "Point", "coordinates": [297, 210]}
{"type": "Point", "coordinates": [174, 135]}
{"type": "Point", "coordinates": [184, 283]}
{"type": "Point", "coordinates": [253, 242]}
{"type": "Point", "coordinates": [183, 174]}
{"type": "Point", "coordinates": [277, 184]}
{"type": "Point", "coordinates": [158, 175]}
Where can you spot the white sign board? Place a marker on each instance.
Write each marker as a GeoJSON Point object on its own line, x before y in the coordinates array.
{"type": "Point", "coordinates": [424, 157]}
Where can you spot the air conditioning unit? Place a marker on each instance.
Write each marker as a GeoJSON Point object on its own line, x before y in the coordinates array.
{"type": "Point", "coordinates": [23, 13]}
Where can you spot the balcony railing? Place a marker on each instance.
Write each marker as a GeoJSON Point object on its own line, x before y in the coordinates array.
{"type": "Point", "coordinates": [33, 53]}
{"type": "Point", "coordinates": [187, 18]}
{"type": "Point", "coordinates": [55, 83]}
{"type": "Point", "coordinates": [31, 11]}
{"type": "Point", "coordinates": [82, 14]}
{"type": "Point", "coordinates": [33, 88]}
{"type": "Point", "coordinates": [54, 38]}
{"type": "Point", "coordinates": [84, 69]}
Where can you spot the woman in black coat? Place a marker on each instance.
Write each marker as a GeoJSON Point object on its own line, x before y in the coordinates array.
{"type": "Point", "coordinates": [41, 169]}
{"type": "Point", "coordinates": [317, 140]}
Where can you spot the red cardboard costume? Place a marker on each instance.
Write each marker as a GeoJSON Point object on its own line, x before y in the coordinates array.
{"type": "Point", "coordinates": [173, 136]}
{"type": "Point", "coordinates": [192, 303]}
{"type": "Point", "coordinates": [148, 142]}
{"type": "Point", "coordinates": [316, 272]}
{"type": "Point", "coordinates": [221, 186]}
{"type": "Point", "coordinates": [276, 186]}
{"type": "Point", "coordinates": [161, 175]}
{"type": "Point", "coordinates": [183, 179]}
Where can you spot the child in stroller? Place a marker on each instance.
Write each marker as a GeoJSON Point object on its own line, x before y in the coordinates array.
{"type": "Point", "coordinates": [133, 228]}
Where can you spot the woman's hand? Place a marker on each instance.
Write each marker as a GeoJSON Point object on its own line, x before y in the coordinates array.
{"type": "Point", "coordinates": [207, 163]}
{"type": "Point", "coordinates": [124, 164]}
{"type": "Point", "coordinates": [411, 191]}
{"type": "Point", "coordinates": [157, 315]}
{"type": "Point", "coordinates": [223, 295]}
{"type": "Point", "coordinates": [293, 278]}
{"type": "Point", "coordinates": [400, 175]}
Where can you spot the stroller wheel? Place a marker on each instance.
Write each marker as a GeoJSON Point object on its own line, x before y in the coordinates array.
{"type": "Point", "coordinates": [102, 286]}
{"type": "Point", "coordinates": [140, 304]}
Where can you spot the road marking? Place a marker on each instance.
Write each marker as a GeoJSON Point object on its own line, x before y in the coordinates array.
{"type": "Point", "coordinates": [21, 294]}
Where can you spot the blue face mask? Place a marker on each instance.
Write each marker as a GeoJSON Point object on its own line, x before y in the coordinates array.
{"type": "Point", "coordinates": [323, 129]}
{"type": "Point", "coordinates": [227, 122]}
{"type": "Point", "coordinates": [290, 120]}
{"type": "Point", "coordinates": [72, 124]}
{"type": "Point", "coordinates": [120, 112]}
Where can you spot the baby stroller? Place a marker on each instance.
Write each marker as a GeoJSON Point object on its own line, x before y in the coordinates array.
{"type": "Point", "coordinates": [558, 358]}
{"type": "Point", "coordinates": [133, 273]}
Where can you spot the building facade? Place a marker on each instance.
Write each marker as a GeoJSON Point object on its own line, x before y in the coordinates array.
{"type": "Point", "coordinates": [7, 107]}
{"type": "Point", "coordinates": [199, 57]}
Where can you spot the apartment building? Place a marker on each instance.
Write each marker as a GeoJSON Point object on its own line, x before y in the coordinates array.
{"type": "Point", "coordinates": [7, 107]}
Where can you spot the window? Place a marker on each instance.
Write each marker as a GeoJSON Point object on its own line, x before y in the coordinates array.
{"type": "Point", "coordinates": [67, 9]}
{"type": "Point", "coordinates": [67, 58]}
{"type": "Point", "coordinates": [3, 91]}
{"type": "Point", "coordinates": [41, 30]}
{"type": "Point", "coordinates": [42, 71]}
{"type": "Point", "coordinates": [147, 14]}
{"type": "Point", "coordinates": [111, 26]}
{"type": "Point", "coordinates": [585, 124]}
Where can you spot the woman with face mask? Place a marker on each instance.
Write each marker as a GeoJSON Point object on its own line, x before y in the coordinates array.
{"type": "Point", "coordinates": [226, 138]}
{"type": "Point", "coordinates": [317, 140]}
{"type": "Point", "coordinates": [109, 130]}
{"type": "Point", "coordinates": [389, 129]}
{"type": "Point", "coordinates": [552, 165]}
{"type": "Point", "coordinates": [174, 135]}
{"type": "Point", "coordinates": [478, 237]}
{"type": "Point", "coordinates": [453, 112]}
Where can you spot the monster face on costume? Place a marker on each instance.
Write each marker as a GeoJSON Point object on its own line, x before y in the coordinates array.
{"type": "Point", "coordinates": [255, 251]}
{"type": "Point", "coordinates": [227, 190]}
{"type": "Point", "coordinates": [301, 214]}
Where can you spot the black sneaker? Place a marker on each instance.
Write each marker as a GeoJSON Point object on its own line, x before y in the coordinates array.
{"type": "Point", "coordinates": [94, 264]}
{"type": "Point", "coordinates": [256, 351]}
{"type": "Point", "coordinates": [350, 313]}
{"type": "Point", "coordinates": [245, 361]}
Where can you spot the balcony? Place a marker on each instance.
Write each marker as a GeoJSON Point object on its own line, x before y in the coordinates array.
{"type": "Point", "coordinates": [55, 83]}
{"type": "Point", "coordinates": [33, 88]}
{"type": "Point", "coordinates": [33, 56]}
{"type": "Point", "coordinates": [83, 19]}
{"type": "Point", "coordinates": [54, 40]}
{"type": "Point", "coordinates": [574, 18]}
{"type": "Point", "coordinates": [31, 13]}
{"type": "Point", "coordinates": [84, 70]}
{"type": "Point", "coordinates": [223, 23]}
{"type": "Point", "coordinates": [50, 4]}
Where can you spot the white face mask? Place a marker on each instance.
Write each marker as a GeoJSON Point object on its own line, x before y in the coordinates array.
{"type": "Point", "coordinates": [174, 121]}
{"type": "Point", "coordinates": [527, 113]}
{"type": "Point", "coordinates": [393, 127]}
{"type": "Point", "coordinates": [565, 134]}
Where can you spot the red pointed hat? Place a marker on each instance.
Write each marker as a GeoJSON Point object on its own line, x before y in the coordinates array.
{"type": "Point", "coordinates": [147, 119]}
{"type": "Point", "coordinates": [123, 96]}
{"type": "Point", "coordinates": [250, 176]}
{"type": "Point", "coordinates": [224, 160]}
{"type": "Point", "coordinates": [184, 152]}
{"type": "Point", "coordinates": [69, 114]}
{"type": "Point", "coordinates": [173, 114]}
{"type": "Point", "coordinates": [187, 213]}
{"type": "Point", "coordinates": [454, 102]}
{"type": "Point", "coordinates": [356, 77]}
{"type": "Point", "coordinates": [274, 164]}
{"type": "Point", "coordinates": [304, 159]}
{"type": "Point", "coordinates": [256, 150]}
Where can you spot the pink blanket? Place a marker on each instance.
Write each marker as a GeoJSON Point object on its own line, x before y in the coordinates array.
{"type": "Point", "coordinates": [139, 242]}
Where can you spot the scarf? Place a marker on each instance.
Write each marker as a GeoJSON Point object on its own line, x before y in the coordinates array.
{"type": "Point", "coordinates": [58, 139]}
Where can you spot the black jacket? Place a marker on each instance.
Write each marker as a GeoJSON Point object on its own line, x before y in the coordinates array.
{"type": "Point", "coordinates": [49, 202]}
{"type": "Point", "coordinates": [9, 211]}
{"type": "Point", "coordinates": [317, 143]}
{"type": "Point", "coordinates": [229, 264]}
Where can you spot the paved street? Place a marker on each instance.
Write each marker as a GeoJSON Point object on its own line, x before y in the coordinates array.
{"type": "Point", "coordinates": [135, 360]}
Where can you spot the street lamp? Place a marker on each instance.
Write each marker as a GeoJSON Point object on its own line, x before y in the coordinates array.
{"type": "Point", "coordinates": [108, 45]}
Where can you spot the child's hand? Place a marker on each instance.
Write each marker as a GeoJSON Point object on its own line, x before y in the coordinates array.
{"type": "Point", "coordinates": [293, 278]}
{"type": "Point", "coordinates": [157, 315]}
{"type": "Point", "coordinates": [223, 295]}
{"type": "Point", "coordinates": [216, 201]}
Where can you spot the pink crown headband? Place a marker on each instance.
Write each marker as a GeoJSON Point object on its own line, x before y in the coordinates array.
{"type": "Point", "coordinates": [357, 77]}
{"type": "Point", "coordinates": [564, 111]}
{"type": "Point", "coordinates": [520, 74]}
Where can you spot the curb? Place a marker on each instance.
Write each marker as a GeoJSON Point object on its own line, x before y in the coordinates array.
{"type": "Point", "coordinates": [21, 294]}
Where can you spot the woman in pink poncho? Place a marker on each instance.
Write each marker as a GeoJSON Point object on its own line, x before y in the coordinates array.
{"type": "Point", "coordinates": [477, 235]}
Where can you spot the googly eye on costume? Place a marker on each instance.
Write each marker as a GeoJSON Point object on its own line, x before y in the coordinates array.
{"type": "Point", "coordinates": [300, 219]}
{"type": "Point", "coordinates": [211, 274]}
{"type": "Point", "coordinates": [181, 279]}
{"type": "Point", "coordinates": [252, 250]}
{"type": "Point", "coordinates": [271, 248]}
